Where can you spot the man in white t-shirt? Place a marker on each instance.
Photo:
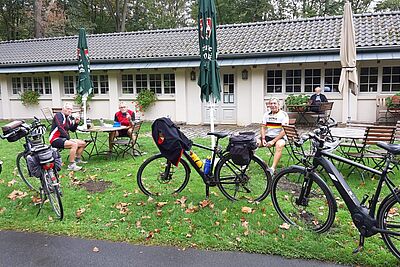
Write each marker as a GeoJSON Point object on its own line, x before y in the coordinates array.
{"type": "Point", "coordinates": [272, 133]}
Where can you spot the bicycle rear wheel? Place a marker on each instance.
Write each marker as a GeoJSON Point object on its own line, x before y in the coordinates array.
{"type": "Point", "coordinates": [22, 166]}
{"type": "Point", "coordinates": [52, 191]}
{"type": "Point", "coordinates": [249, 182]}
{"type": "Point", "coordinates": [389, 219]}
{"type": "Point", "coordinates": [157, 176]}
{"type": "Point", "coordinates": [306, 202]}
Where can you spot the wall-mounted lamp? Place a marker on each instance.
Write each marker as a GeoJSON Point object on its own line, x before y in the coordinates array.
{"type": "Point", "coordinates": [245, 74]}
{"type": "Point", "coordinates": [193, 75]}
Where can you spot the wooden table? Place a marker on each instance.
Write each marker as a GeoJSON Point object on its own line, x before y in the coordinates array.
{"type": "Point", "coordinates": [98, 145]}
{"type": "Point", "coordinates": [351, 134]}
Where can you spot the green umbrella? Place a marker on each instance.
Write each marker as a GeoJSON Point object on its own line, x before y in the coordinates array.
{"type": "Point", "coordinates": [85, 85]}
{"type": "Point", "coordinates": [209, 79]}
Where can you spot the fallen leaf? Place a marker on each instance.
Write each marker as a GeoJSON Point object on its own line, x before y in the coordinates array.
{"type": "Point", "coordinates": [216, 223]}
{"type": "Point", "coordinates": [284, 226]}
{"type": "Point", "coordinates": [11, 183]}
{"type": "Point", "coordinates": [123, 207]}
{"type": "Point", "coordinates": [50, 219]}
{"type": "Point", "coordinates": [161, 204]}
{"type": "Point", "coordinates": [2, 210]}
{"type": "Point", "coordinates": [191, 208]}
{"type": "Point", "coordinates": [129, 175]}
{"type": "Point", "coordinates": [1, 181]}
{"type": "Point", "coordinates": [36, 200]}
{"type": "Point", "coordinates": [206, 203]}
{"type": "Point", "coordinates": [159, 213]}
{"type": "Point", "coordinates": [150, 235]}
{"type": "Point", "coordinates": [224, 211]}
{"type": "Point", "coordinates": [247, 210]}
{"type": "Point", "coordinates": [188, 235]}
{"type": "Point", "coordinates": [96, 249]}
{"type": "Point", "coordinates": [79, 212]}
{"type": "Point", "coordinates": [181, 201]}
{"type": "Point", "coordinates": [138, 224]}
{"type": "Point", "coordinates": [150, 199]}
{"type": "Point", "coordinates": [16, 194]}
{"type": "Point", "coordinates": [246, 233]}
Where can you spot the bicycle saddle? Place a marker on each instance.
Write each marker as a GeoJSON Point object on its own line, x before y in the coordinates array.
{"type": "Point", "coordinates": [392, 148]}
{"type": "Point", "coordinates": [218, 134]}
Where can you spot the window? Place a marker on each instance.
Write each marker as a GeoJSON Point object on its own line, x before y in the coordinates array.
{"type": "Point", "coordinates": [369, 79]}
{"type": "Point", "coordinates": [127, 84]}
{"type": "Point", "coordinates": [42, 85]}
{"type": "Point", "coordinates": [169, 83]}
{"type": "Point", "coordinates": [391, 79]}
{"type": "Point", "coordinates": [229, 89]}
{"type": "Point", "coordinates": [312, 79]}
{"type": "Point", "coordinates": [332, 77]}
{"type": "Point", "coordinates": [100, 84]}
{"type": "Point", "coordinates": [274, 81]}
{"type": "Point", "coordinates": [293, 81]}
{"type": "Point", "coordinates": [155, 83]}
{"type": "Point", "coordinates": [69, 85]}
{"type": "Point", "coordinates": [141, 82]}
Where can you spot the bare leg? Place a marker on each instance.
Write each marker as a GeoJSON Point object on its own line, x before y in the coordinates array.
{"type": "Point", "coordinates": [111, 137]}
{"type": "Point", "coordinates": [73, 147]}
{"type": "Point", "coordinates": [279, 145]}
{"type": "Point", "coordinates": [81, 147]}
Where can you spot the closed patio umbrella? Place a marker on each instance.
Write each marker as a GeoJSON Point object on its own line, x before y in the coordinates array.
{"type": "Point", "coordinates": [85, 85]}
{"type": "Point", "coordinates": [209, 78]}
{"type": "Point", "coordinates": [348, 77]}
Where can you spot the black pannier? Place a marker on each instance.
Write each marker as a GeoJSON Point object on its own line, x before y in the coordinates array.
{"type": "Point", "coordinates": [16, 129]}
{"type": "Point", "coordinates": [40, 156]}
{"type": "Point", "coordinates": [241, 147]}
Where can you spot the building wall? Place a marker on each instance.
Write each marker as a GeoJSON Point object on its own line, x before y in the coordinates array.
{"type": "Point", "coordinates": [185, 105]}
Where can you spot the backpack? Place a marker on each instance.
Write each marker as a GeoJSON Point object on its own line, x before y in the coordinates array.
{"type": "Point", "coordinates": [241, 147]}
{"type": "Point", "coordinates": [169, 139]}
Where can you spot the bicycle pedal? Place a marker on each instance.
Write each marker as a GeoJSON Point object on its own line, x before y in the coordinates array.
{"type": "Point", "coordinates": [358, 249]}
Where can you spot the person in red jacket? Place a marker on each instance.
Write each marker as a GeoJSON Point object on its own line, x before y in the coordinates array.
{"type": "Point", "coordinates": [126, 117]}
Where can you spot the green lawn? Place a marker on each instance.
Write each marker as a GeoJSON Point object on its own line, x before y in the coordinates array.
{"type": "Point", "coordinates": [123, 213]}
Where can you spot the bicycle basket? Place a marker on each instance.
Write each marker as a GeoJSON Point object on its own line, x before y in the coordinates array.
{"type": "Point", "coordinates": [241, 147]}
{"type": "Point", "coordinates": [15, 131]}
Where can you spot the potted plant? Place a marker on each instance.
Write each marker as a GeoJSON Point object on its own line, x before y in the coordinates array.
{"type": "Point", "coordinates": [78, 100]}
{"type": "Point", "coordinates": [30, 98]}
{"type": "Point", "coordinates": [146, 99]}
{"type": "Point", "coordinates": [393, 102]}
{"type": "Point", "coordinates": [296, 103]}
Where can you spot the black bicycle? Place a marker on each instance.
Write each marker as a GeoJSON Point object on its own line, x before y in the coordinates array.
{"type": "Point", "coordinates": [301, 197]}
{"type": "Point", "coordinates": [158, 176]}
{"type": "Point", "coordinates": [38, 164]}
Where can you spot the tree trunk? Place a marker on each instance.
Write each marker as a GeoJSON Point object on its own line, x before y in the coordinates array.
{"type": "Point", "coordinates": [124, 13]}
{"type": "Point", "coordinates": [38, 18]}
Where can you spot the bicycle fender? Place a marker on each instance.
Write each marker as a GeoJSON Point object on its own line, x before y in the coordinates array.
{"type": "Point", "coordinates": [315, 176]}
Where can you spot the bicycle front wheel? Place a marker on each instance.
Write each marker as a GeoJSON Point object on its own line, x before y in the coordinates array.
{"type": "Point", "coordinates": [158, 176]}
{"type": "Point", "coordinates": [389, 219]}
{"type": "Point", "coordinates": [22, 166]}
{"type": "Point", "coordinates": [248, 182]}
{"type": "Point", "coordinates": [303, 201]}
{"type": "Point", "coordinates": [52, 191]}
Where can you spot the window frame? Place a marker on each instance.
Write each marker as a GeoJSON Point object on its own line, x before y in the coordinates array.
{"type": "Point", "coordinates": [37, 83]}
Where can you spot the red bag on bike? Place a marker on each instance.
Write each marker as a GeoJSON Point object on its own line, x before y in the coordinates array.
{"type": "Point", "coordinates": [169, 139]}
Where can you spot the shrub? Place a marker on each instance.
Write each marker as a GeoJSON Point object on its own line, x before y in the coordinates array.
{"type": "Point", "coordinates": [30, 98]}
{"type": "Point", "coordinates": [146, 99]}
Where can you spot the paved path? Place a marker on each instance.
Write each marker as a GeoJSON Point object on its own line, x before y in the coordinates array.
{"type": "Point", "coordinates": [33, 249]}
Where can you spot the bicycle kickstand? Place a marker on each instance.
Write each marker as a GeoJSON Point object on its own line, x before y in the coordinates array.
{"type": "Point", "coordinates": [207, 191]}
{"type": "Point", "coordinates": [360, 244]}
{"type": "Point", "coordinates": [41, 202]}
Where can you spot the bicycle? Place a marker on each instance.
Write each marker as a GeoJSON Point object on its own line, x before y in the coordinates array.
{"type": "Point", "coordinates": [157, 176]}
{"type": "Point", "coordinates": [301, 197]}
{"type": "Point", "coordinates": [38, 164]}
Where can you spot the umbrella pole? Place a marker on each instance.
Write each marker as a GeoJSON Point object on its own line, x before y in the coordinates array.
{"type": "Point", "coordinates": [348, 104]}
{"type": "Point", "coordinates": [212, 121]}
{"type": "Point", "coordinates": [84, 99]}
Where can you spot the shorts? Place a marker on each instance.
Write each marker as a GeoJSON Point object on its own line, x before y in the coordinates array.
{"type": "Point", "coordinates": [58, 142]}
{"type": "Point", "coordinates": [123, 133]}
{"type": "Point", "coordinates": [269, 138]}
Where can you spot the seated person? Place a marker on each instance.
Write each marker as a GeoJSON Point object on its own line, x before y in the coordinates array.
{"type": "Point", "coordinates": [126, 117]}
{"type": "Point", "coordinates": [316, 99]}
{"type": "Point", "coordinates": [59, 136]}
{"type": "Point", "coordinates": [272, 133]}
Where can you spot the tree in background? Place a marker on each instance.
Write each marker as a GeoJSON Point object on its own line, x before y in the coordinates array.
{"type": "Point", "coordinates": [388, 5]}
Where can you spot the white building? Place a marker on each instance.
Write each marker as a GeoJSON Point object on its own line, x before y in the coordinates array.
{"type": "Point", "coordinates": [258, 61]}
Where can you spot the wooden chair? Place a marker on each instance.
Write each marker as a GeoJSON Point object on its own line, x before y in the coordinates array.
{"type": "Point", "coordinates": [323, 114]}
{"type": "Point", "coordinates": [295, 152]}
{"type": "Point", "coordinates": [130, 144]}
{"type": "Point", "coordinates": [271, 150]}
{"type": "Point", "coordinates": [373, 134]}
{"type": "Point", "coordinates": [48, 115]}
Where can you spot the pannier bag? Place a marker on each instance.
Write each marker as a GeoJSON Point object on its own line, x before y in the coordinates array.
{"type": "Point", "coordinates": [241, 147]}
{"type": "Point", "coordinates": [17, 130]}
{"type": "Point", "coordinates": [40, 156]}
{"type": "Point", "coordinates": [169, 139]}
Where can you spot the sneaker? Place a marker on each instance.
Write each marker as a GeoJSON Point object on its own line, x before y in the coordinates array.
{"type": "Point", "coordinates": [74, 167]}
{"type": "Point", "coordinates": [80, 161]}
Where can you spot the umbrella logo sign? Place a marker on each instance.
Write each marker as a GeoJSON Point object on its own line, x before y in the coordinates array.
{"type": "Point", "coordinates": [81, 66]}
{"type": "Point", "coordinates": [207, 34]}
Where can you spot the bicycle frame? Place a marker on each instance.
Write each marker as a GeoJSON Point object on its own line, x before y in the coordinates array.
{"type": "Point", "coordinates": [363, 217]}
